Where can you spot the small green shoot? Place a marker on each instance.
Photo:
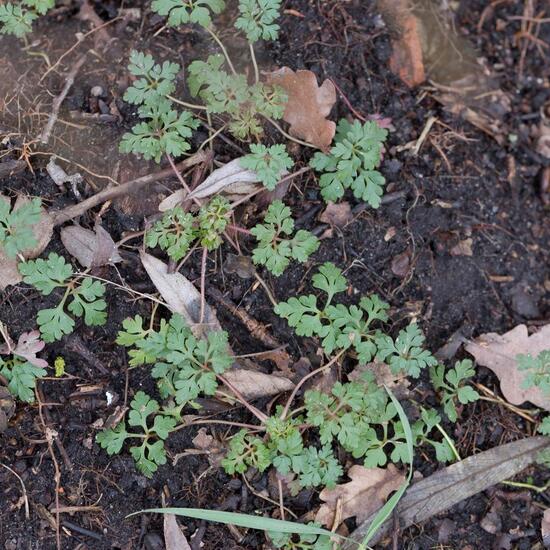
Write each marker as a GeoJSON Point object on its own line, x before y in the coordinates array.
{"type": "Point", "coordinates": [21, 376]}
{"type": "Point", "coordinates": [164, 133]}
{"type": "Point", "coordinates": [174, 233]}
{"type": "Point", "coordinates": [16, 226]}
{"type": "Point", "coordinates": [269, 163]}
{"type": "Point", "coordinates": [154, 427]}
{"type": "Point", "coordinates": [273, 250]}
{"type": "Point", "coordinates": [352, 162]}
{"type": "Point", "coordinates": [180, 12]}
{"type": "Point", "coordinates": [452, 386]}
{"type": "Point", "coordinates": [257, 19]}
{"type": "Point", "coordinates": [83, 297]}
{"type": "Point", "coordinates": [155, 81]}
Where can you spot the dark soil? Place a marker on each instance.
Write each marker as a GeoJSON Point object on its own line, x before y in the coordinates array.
{"type": "Point", "coordinates": [462, 185]}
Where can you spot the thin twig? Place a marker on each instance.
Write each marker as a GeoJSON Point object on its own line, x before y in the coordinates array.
{"type": "Point", "coordinates": [288, 136]}
{"type": "Point", "coordinates": [256, 412]}
{"type": "Point", "coordinates": [56, 105]}
{"type": "Point", "coordinates": [111, 193]}
{"type": "Point", "coordinates": [254, 62]}
{"type": "Point", "coordinates": [49, 435]}
{"type": "Point", "coordinates": [25, 497]}
{"type": "Point", "coordinates": [222, 47]}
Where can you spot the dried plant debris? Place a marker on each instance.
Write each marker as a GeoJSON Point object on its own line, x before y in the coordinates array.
{"type": "Point", "coordinates": [308, 105]}
{"type": "Point", "coordinates": [427, 46]}
{"type": "Point", "coordinates": [503, 355]}
{"type": "Point", "coordinates": [91, 248]}
{"type": "Point", "coordinates": [364, 494]}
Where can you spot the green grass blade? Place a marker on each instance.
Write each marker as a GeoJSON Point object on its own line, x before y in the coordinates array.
{"type": "Point", "coordinates": [386, 510]}
{"type": "Point", "coordinates": [242, 520]}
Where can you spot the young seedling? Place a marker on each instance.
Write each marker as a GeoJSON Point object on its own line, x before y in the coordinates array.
{"type": "Point", "coordinates": [257, 19]}
{"type": "Point", "coordinates": [343, 327]}
{"type": "Point", "coordinates": [17, 19]}
{"type": "Point", "coordinates": [180, 12]}
{"type": "Point", "coordinates": [452, 386]}
{"type": "Point", "coordinates": [269, 163]}
{"type": "Point", "coordinates": [174, 233]}
{"type": "Point", "coordinates": [273, 250]}
{"type": "Point", "coordinates": [183, 366]}
{"type": "Point", "coordinates": [83, 296]}
{"type": "Point", "coordinates": [286, 541]}
{"type": "Point", "coordinates": [352, 162]}
{"type": "Point", "coordinates": [154, 427]}
{"type": "Point", "coordinates": [537, 371]}
{"type": "Point", "coordinates": [165, 133]}
{"type": "Point", "coordinates": [16, 226]}
{"type": "Point", "coordinates": [154, 83]}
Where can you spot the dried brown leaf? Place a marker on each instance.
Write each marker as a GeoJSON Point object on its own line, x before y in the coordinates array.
{"type": "Point", "coordinates": [401, 264]}
{"type": "Point", "coordinates": [28, 345]}
{"type": "Point", "coordinates": [174, 539]}
{"type": "Point", "coordinates": [90, 248]}
{"type": "Point", "coordinates": [254, 384]}
{"type": "Point", "coordinates": [308, 105]}
{"type": "Point", "coordinates": [364, 494]}
{"type": "Point", "coordinates": [337, 214]}
{"type": "Point", "coordinates": [499, 352]}
{"type": "Point", "coordinates": [231, 180]}
{"type": "Point", "coordinates": [450, 485]}
{"type": "Point", "coordinates": [180, 295]}
{"type": "Point", "coordinates": [7, 407]}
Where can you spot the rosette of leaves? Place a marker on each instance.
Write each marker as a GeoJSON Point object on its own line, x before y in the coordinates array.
{"type": "Point", "coordinates": [231, 95]}
{"type": "Point", "coordinates": [274, 250]}
{"type": "Point", "coordinates": [180, 12]}
{"type": "Point", "coordinates": [17, 18]}
{"type": "Point", "coordinates": [16, 226]}
{"type": "Point", "coordinates": [352, 162]}
{"type": "Point", "coordinates": [183, 366]}
{"type": "Point", "coordinates": [83, 297]}
{"type": "Point", "coordinates": [164, 132]}
{"type": "Point", "coordinates": [257, 19]}
{"type": "Point", "coordinates": [212, 221]}
{"type": "Point", "coordinates": [154, 428]}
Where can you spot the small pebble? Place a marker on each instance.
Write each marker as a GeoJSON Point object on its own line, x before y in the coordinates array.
{"type": "Point", "coordinates": [97, 91]}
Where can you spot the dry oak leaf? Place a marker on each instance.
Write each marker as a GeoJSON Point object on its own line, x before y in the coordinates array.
{"type": "Point", "coordinates": [498, 352]}
{"type": "Point", "coordinates": [362, 496]}
{"type": "Point", "coordinates": [308, 105]}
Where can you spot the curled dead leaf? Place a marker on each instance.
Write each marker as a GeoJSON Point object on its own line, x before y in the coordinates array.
{"type": "Point", "coordinates": [254, 384]}
{"type": "Point", "coordinates": [308, 105]}
{"type": "Point", "coordinates": [363, 495]}
{"type": "Point", "coordinates": [499, 352]}
{"type": "Point", "coordinates": [231, 180]}
{"type": "Point", "coordinates": [180, 294]}
{"type": "Point", "coordinates": [462, 248]}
